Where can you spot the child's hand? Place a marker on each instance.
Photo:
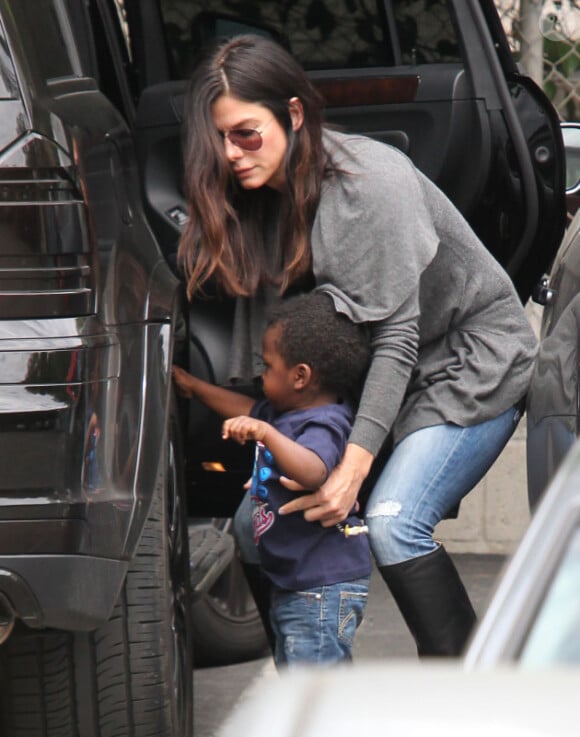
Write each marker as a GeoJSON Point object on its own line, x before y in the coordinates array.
{"type": "Point", "coordinates": [181, 380]}
{"type": "Point", "coordinates": [244, 428]}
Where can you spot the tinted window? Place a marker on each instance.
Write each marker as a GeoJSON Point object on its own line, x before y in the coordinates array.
{"type": "Point", "coordinates": [425, 32]}
{"type": "Point", "coordinates": [112, 54]}
{"type": "Point", "coordinates": [124, 35]}
{"type": "Point", "coordinates": [321, 34]}
{"type": "Point", "coordinates": [46, 36]}
{"type": "Point", "coordinates": [8, 84]}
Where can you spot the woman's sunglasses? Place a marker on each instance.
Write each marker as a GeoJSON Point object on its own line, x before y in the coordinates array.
{"type": "Point", "coordinates": [248, 139]}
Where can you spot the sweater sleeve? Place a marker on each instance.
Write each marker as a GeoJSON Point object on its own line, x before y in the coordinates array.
{"type": "Point", "coordinates": [394, 344]}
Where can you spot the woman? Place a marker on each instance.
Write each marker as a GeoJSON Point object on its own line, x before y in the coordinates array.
{"type": "Point", "coordinates": [279, 204]}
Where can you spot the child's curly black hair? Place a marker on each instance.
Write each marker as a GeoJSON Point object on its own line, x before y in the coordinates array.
{"type": "Point", "coordinates": [334, 347]}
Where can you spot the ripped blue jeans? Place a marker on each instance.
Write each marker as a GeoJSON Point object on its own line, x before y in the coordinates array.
{"type": "Point", "coordinates": [427, 474]}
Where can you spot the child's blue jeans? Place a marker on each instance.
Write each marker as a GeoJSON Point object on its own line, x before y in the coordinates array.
{"type": "Point", "coordinates": [317, 625]}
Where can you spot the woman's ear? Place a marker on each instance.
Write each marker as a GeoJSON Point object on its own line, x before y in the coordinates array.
{"type": "Point", "coordinates": [302, 376]}
{"type": "Point", "coordinates": [296, 113]}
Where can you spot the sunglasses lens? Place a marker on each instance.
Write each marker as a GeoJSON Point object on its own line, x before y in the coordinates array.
{"type": "Point", "coordinates": [246, 138]}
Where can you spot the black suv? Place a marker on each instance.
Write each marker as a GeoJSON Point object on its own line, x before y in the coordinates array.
{"type": "Point", "coordinates": [102, 471]}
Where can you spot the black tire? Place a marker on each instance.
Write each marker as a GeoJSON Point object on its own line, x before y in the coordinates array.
{"type": "Point", "coordinates": [133, 676]}
{"type": "Point", "coordinates": [226, 624]}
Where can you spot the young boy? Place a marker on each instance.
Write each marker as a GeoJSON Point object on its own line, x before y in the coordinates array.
{"type": "Point", "coordinates": [314, 365]}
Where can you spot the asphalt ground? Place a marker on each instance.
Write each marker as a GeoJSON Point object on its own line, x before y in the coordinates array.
{"type": "Point", "coordinates": [381, 636]}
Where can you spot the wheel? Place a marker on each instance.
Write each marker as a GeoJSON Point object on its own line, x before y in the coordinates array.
{"type": "Point", "coordinates": [133, 676]}
{"type": "Point", "coordinates": [226, 624]}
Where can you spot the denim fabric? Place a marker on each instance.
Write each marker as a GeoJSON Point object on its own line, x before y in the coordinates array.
{"type": "Point", "coordinates": [428, 473]}
{"type": "Point", "coordinates": [317, 625]}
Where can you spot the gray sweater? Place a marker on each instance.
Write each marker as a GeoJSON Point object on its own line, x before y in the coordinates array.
{"type": "Point", "coordinates": [451, 342]}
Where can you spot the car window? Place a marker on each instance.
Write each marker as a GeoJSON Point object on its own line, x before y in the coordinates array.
{"type": "Point", "coordinates": [113, 55]}
{"type": "Point", "coordinates": [425, 32]}
{"type": "Point", "coordinates": [555, 634]}
{"type": "Point", "coordinates": [119, 6]}
{"type": "Point", "coordinates": [47, 39]}
{"type": "Point", "coordinates": [321, 34]}
{"type": "Point", "coordinates": [8, 83]}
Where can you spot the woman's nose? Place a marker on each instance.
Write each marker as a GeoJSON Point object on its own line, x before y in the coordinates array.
{"type": "Point", "coordinates": [232, 152]}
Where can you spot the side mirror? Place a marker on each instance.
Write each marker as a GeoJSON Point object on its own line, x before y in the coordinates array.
{"type": "Point", "coordinates": [571, 136]}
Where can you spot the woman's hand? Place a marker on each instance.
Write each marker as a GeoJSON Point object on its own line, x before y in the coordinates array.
{"type": "Point", "coordinates": [334, 500]}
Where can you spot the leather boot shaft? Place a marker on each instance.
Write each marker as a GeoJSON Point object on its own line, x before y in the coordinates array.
{"type": "Point", "coordinates": [433, 602]}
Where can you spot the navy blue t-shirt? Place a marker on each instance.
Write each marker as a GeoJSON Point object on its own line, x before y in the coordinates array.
{"type": "Point", "coordinates": [296, 554]}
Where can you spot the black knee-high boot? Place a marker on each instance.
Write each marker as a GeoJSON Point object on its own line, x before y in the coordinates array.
{"type": "Point", "coordinates": [433, 602]}
{"type": "Point", "coordinates": [261, 588]}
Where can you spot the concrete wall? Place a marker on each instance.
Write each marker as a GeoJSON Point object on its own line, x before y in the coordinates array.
{"type": "Point", "coordinates": [495, 515]}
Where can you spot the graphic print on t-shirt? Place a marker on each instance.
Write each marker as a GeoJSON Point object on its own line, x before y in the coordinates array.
{"type": "Point", "coordinates": [262, 517]}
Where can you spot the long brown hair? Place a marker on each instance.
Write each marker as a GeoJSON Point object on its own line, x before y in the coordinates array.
{"type": "Point", "coordinates": [225, 237]}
